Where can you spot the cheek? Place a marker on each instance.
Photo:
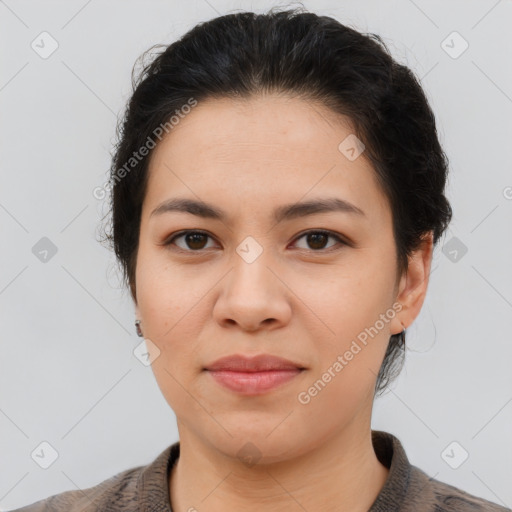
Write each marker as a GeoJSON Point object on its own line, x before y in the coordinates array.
{"type": "Point", "coordinates": [343, 381]}
{"type": "Point", "coordinates": [345, 300]}
{"type": "Point", "coordinates": [168, 299]}
{"type": "Point", "coordinates": [355, 309]}
{"type": "Point", "coordinates": [171, 324]}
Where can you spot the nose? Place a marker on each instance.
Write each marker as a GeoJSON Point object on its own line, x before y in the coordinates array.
{"type": "Point", "coordinates": [252, 296]}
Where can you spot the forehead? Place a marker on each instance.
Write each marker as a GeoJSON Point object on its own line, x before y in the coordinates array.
{"type": "Point", "coordinates": [268, 149]}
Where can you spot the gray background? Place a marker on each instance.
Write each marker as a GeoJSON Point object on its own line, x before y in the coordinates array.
{"type": "Point", "coordinates": [67, 372]}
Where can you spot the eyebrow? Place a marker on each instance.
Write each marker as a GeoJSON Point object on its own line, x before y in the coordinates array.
{"type": "Point", "coordinates": [285, 212]}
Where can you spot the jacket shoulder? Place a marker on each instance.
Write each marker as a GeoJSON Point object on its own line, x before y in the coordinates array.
{"type": "Point", "coordinates": [431, 495]}
{"type": "Point", "coordinates": [117, 493]}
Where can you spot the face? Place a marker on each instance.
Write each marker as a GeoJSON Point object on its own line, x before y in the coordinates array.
{"type": "Point", "coordinates": [317, 287]}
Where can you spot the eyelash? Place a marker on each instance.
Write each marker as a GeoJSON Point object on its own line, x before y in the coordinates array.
{"type": "Point", "coordinates": [180, 234]}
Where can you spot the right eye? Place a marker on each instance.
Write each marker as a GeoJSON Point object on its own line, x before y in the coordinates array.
{"type": "Point", "coordinates": [194, 240]}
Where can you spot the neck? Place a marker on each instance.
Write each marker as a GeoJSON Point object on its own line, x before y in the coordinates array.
{"type": "Point", "coordinates": [342, 474]}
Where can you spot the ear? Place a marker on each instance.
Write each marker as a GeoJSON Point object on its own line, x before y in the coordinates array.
{"type": "Point", "coordinates": [413, 285]}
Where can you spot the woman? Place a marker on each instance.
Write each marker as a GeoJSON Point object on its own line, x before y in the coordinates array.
{"type": "Point", "coordinates": [278, 188]}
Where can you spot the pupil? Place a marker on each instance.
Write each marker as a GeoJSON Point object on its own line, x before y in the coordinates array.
{"type": "Point", "coordinates": [318, 238]}
{"type": "Point", "coordinates": [192, 238]}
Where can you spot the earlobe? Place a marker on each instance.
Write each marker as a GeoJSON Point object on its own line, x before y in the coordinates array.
{"type": "Point", "coordinates": [414, 284]}
{"type": "Point", "coordinates": [397, 324]}
{"type": "Point", "coordinates": [138, 328]}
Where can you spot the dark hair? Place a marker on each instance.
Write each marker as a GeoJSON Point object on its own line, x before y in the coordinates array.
{"type": "Point", "coordinates": [312, 57]}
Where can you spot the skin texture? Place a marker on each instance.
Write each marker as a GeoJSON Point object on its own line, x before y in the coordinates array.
{"type": "Point", "coordinates": [302, 299]}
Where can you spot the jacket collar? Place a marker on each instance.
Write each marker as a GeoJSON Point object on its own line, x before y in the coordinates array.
{"type": "Point", "coordinates": [153, 482]}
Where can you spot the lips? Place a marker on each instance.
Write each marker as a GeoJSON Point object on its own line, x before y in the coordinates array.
{"type": "Point", "coordinates": [259, 363]}
{"type": "Point", "coordinates": [252, 376]}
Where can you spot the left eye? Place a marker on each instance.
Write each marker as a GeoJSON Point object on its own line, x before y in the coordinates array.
{"type": "Point", "coordinates": [317, 239]}
{"type": "Point", "coordinates": [195, 240]}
